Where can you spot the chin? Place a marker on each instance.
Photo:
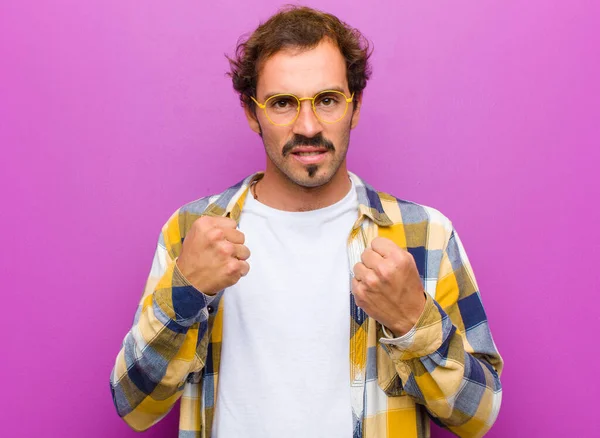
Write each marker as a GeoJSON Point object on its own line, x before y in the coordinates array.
{"type": "Point", "coordinates": [304, 179]}
{"type": "Point", "coordinates": [308, 175]}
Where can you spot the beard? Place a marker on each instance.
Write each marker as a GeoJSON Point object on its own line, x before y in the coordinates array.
{"type": "Point", "coordinates": [309, 175]}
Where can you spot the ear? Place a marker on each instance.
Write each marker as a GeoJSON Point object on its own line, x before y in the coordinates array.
{"type": "Point", "coordinates": [252, 120]}
{"type": "Point", "coordinates": [356, 112]}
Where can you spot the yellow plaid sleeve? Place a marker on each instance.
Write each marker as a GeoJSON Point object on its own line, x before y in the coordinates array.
{"type": "Point", "coordinates": [159, 352]}
{"type": "Point", "coordinates": [448, 362]}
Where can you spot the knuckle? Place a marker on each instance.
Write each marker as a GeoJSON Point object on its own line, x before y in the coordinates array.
{"type": "Point", "coordinates": [203, 222]}
{"type": "Point", "coordinates": [226, 249]}
{"type": "Point", "coordinates": [231, 269]}
{"type": "Point", "coordinates": [215, 234]}
{"type": "Point", "coordinates": [400, 257]}
{"type": "Point", "coordinates": [359, 297]}
{"type": "Point", "coordinates": [384, 272]}
{"type": "Point", "coordinates": [407, 262]}
{"type": "Point", "coordinates": [370, 281]}
{"type": "Point", "coordinates": [403, 256]}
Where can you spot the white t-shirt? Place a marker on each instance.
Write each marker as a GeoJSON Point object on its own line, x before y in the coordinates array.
{"type": "Point", "coordinates": [285, 368]}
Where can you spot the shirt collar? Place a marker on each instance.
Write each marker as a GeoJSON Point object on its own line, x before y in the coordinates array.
{"type": "Point", "coordinates": [231, 201]}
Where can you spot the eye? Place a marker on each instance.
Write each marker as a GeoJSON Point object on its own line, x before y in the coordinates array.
{"type": "Point", "coordinates": [282, 102]}
{"type": "Point", "coordinates": [328, 100]}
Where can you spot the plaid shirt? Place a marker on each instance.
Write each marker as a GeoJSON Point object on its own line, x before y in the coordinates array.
{"type": "Point", "coordinates": [447, 367]}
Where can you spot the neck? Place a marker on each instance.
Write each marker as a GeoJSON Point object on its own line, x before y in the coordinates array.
{"type": "Point", "coordinates": [277, 191]}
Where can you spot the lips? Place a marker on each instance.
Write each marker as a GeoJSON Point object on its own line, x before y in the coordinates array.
{"type": "Point", "coordinates": [309, 155]}
{"type": "Point", "coordinates": [308, 150]}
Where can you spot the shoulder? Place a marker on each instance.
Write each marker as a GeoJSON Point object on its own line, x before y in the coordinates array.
{"type": "Point", "coordinates": [394, 210]}
{"type": "Point", "coordinates": [402, 211]}
{"type": "Point", "coordinates": [420, 228]}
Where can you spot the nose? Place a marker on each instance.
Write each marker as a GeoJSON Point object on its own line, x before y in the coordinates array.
{"type": "Point", "coordinates": [307, 123]}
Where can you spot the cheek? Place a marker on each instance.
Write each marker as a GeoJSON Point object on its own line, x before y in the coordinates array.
{"type": "Point", "coordinates": [275, 138]}
{"type": "Point", "coordinates": [339, 136]}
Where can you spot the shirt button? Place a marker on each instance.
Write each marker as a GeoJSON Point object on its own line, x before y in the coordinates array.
{"type": "Point", "coordinates": [211, 309]}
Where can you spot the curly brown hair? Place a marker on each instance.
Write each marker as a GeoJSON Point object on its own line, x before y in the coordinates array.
{"type": "Point", "coordinates": [298, 27]}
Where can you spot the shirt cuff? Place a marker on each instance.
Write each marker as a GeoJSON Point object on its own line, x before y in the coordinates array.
{"type": "Point", "coordinates": [399, 341]}
{"type": "Point", "coordinates": [179, 301]}
{"type": "Point", "coordinates": [424, 338]}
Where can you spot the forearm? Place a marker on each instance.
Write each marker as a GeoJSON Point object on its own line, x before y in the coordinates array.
{"type": "Point", "coordinates": [160, 351]}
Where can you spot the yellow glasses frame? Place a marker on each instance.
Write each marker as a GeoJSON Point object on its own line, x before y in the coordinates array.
{"type": "Point", "coordinates": [263, 106]}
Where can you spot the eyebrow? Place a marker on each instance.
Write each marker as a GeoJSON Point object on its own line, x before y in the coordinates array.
{"type": "Point", "coordinates": [340, 89]}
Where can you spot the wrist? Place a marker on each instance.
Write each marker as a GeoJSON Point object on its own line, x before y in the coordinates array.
{"type": "Point", "coordinates": [402, 327]}
{"type": "Point", "coordinates": [190, 278]}
{"type": "Point", "coordinates": [399, 330]}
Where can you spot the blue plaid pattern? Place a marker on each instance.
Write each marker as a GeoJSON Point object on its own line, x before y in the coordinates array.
{"type": "Point", "coordinates": [446, 368]}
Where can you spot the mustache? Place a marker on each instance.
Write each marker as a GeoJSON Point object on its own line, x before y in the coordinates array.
{"type": "Point", "coordinates": [300, 140]}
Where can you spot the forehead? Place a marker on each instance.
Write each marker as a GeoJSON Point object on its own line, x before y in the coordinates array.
{"type": "Point", "coordinates": [303, 72]}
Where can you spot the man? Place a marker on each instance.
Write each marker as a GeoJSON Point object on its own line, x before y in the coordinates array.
{"type": "Point", "coordinates": [357, 314]}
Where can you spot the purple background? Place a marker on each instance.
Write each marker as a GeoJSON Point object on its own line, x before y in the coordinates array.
{"type": "Point", "coordinates": [115, 113]}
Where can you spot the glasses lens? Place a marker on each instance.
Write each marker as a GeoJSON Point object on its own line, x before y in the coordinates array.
{"type": "Point", "coordinates": [330, 106]}
{"type": "Point", "coordinates": [282, 109]}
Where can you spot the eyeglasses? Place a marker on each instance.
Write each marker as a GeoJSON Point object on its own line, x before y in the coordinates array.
{"type": "Point", "coordinates": [329, 106]}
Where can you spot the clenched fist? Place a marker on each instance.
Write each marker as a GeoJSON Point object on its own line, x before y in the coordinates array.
{"type": "Point", "coordinates": [387, 286]}
{"type": "Point", "coordinates": [213, 256]}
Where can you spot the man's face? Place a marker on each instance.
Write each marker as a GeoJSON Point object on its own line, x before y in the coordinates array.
{"type": "Point", "coordinates": [291, 149]}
